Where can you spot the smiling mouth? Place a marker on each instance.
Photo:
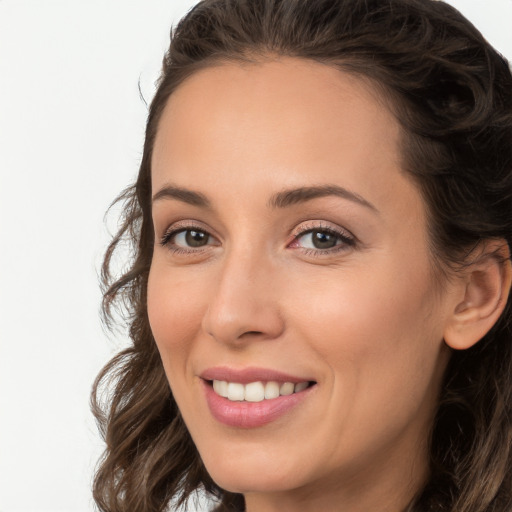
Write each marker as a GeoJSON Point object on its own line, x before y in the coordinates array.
{"type": "Point", "coordinates": [257, 391]}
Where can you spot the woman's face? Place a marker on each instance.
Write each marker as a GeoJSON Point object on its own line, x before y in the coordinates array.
{"type": "Point", "coordinates": [292, 251]}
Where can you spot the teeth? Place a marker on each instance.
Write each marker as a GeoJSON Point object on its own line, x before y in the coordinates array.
{"type": "Point", "coordinates": [256, 391]}
{"type": "Point", "coordinates": [235, 391]}
{"type": "Point", "coordinates": [301, 386]}
{"type": "Point", "coordinates": [287, 388]}
{"type": "Point", "coordinates": [271, 390]}
{"type": "Point", "coordinates": [221, 387]}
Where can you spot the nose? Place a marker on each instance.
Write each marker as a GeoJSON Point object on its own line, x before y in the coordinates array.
{"type": "Point", "coordinates": [243, 304]}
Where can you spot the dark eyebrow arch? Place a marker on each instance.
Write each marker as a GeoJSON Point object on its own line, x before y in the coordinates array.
{"type": "Point", "coordinates": [300, 195]}
{"type": "Point", "coordinates": [281, 199]}
{"type": "Point", "coordinates": [182, 194]}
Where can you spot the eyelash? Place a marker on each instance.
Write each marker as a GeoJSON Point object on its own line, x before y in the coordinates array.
{"type": "Point", "coordinates": [166, 239]}
{"type": "Point", "coordinates": [347, 239]}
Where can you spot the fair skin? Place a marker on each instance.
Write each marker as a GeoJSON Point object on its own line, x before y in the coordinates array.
{"type": "Point", "coordinates": [359, 316]}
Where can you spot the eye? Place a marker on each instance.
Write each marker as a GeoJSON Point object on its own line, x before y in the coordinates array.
{"type": "Point", "coordinates": [320, 239]}
{"type": "Point", "coordinates": [187, 239]}
{"type": "Point", "coordinates": [191, 238]}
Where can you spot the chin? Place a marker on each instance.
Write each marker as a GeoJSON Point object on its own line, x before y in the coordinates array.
{"type": "Point", "coordinates": [247, 482]}
{"type": "Point", "coordinates": [252, 475]}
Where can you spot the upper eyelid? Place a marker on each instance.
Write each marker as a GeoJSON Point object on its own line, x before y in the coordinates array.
{"type": "Point", "coordinates": [183, 225]}
{"type": "Point", "coordinates": [321, 225]}
{"type": "Point", "coordinates": [344, 238]}
{"type": "Point", "coordinates": [298, 229]}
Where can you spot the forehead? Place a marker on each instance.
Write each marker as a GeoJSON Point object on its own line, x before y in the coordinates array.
{"type": "Point", "coordinates": [239, 133]}
{"type": "Point", "coordinates": [293, 102]}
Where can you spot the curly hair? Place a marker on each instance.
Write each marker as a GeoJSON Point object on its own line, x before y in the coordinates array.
{"type": "Point", "coordinates": [452, 95]}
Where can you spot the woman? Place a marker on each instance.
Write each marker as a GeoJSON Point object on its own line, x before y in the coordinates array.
{"type": "Point", "coordinates": [318, 299]}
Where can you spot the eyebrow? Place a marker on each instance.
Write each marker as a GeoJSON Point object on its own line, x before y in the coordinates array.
{"type": "Point", "coordinates": [295, 196]}
{"type": "Point", "coordinates": [182, 194]}
{"type": "Point", "coordinates": [282, 199]}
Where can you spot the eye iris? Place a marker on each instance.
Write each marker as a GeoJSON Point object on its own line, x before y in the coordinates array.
{"type": "Point", "coordinates": [196, 238]}
{"type": "Point", "coordinates": [323, 240]}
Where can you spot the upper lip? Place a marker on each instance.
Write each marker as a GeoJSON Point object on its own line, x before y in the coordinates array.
{"type": "Point", "coordinates": [249, 374]}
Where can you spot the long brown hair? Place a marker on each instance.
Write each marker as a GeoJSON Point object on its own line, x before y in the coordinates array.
{"type": "Point", "coordinates": [452, 94]}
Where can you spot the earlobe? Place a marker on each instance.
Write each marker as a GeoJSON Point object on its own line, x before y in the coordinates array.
{"type": "Point", "coordinates": [487, 285]}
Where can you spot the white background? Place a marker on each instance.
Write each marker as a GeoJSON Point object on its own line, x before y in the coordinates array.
{"type": "Point", "coordinates": [71, 132]}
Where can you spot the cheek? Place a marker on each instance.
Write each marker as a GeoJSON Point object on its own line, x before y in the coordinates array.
{"type": "Point", "coordinates": [175, 310]}
{"type": "Point", "coordinates": [379, 330]}
{"type": "Point", "coordinates": [382, 346]}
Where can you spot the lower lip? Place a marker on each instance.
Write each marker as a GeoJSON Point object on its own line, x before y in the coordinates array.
{"type": "Point", "coordinates": [251, 414]}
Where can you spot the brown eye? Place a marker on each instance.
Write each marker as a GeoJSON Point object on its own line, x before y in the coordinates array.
{"type": "Point", "coordinates": [194, 238]}
{"type": "Point", "coordinates": [187, 239]}
{"type": "Point", "coordinates": [319, 239]}
{"type": "Point", "coordinates": [323, 239]}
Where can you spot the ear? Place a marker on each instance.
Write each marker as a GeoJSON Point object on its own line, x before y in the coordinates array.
{"type": "Point", "coordinates": [485, 288]}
